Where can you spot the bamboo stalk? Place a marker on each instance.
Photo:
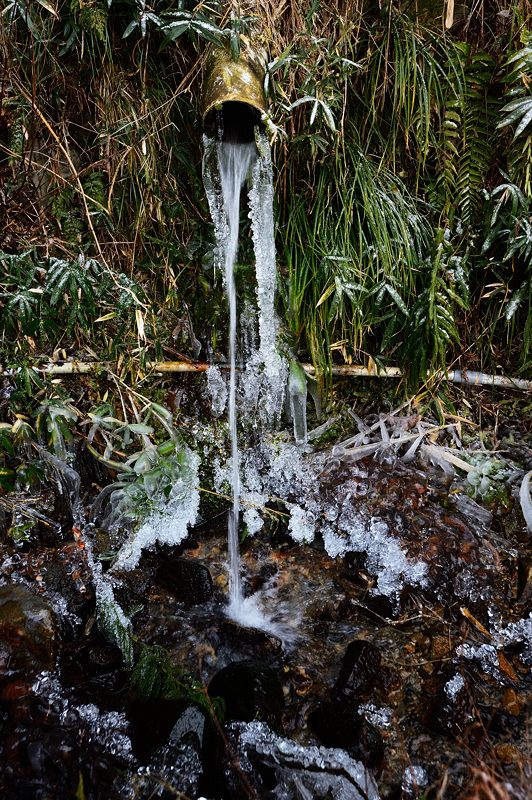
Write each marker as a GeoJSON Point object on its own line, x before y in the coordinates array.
{"type": "Point", "coordinates": [469, 377]}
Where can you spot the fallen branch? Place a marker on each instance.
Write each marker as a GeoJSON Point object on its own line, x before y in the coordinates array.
{"type": "Point", "coordinates": [469, 377]}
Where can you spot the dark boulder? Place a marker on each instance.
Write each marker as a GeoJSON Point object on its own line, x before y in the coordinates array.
{"type": "Point", "coordinates": [251, 691]}
{"type": "Point", "coordinates": [360, 673]}
{"type": "Point", "coordinates": [188, 580]}
{"type": "Point", "coordinates": [340, 725]}
{"type": "Point", "coordinates": [27, 632]}
{"type": "Point", "coordinates": [452, 709]}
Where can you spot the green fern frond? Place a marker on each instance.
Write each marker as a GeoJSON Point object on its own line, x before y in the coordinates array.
{"type": "Point", "coordinates": [467, 129]}
{"type": "Point", "coordinates": [433, 327]}
{"type": "Point", "coordinates": [517, 112]}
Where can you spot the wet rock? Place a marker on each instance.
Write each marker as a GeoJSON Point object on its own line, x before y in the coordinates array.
{"type": "Point", "coordinates": [507, 753]}
{"type": "Point", "coordinates": [452, 710]}
{"type": "Point", "coordinates": [340, 725]}
{"type": "Point", "coordinates": [70, 575]}
{"type": "Point", "coordinates": [415, 780]}
{"type": "Point", "coordinates": [250, 641]}
{"type": "Point", "coordinates": [188, 580]}
{"type": "Point", "coordinates": [51, 740]}
{"type": "Point", "coordinates": [512, 702]}
{"type": "Point", "coordinates": [251, 691]}
{"type": "Point", "coordinates": [27, 632]}
{"type": "Point", "coordinates": [524, 581]}
{"type": "Point", "coordinates": [94, 666]}
{"type": "Point", "coordinates": [152, 722]}
{"type": "Point", "coordinates": [180, 759]}
{"type": "Point", "coordinates": [280, 769]}
{"type": "Point", "coordinates": [361, 672]}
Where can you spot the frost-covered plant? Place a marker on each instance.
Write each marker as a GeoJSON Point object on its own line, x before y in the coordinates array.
{"type": "Point", "coordinates": [155, 494]}
{"type": "Point", "coordinates": [489, 477]}
{"type": "Point", "coordinates": [146, 488]}
{"type": "Point", "coordinates": [54, 419]}
{"type": "Point", "coordinates": [507, 246]}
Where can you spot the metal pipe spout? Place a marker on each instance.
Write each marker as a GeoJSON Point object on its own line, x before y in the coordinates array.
{"type": "Point", "coordinates": [233, 94]}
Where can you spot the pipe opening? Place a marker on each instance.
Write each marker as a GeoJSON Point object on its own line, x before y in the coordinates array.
{"type": "Point", "coordinates": [234, 122]}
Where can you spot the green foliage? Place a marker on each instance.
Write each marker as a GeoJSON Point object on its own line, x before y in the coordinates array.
{"type": "Point", "coordinates": [433, 326]}
{"type": "Point", "coordinates": [154, 677]}
{"type": "Point", "coordinates": [507, 242]}
{"type": "Point", "coordinates": [147, 474]}
{"type": "Point", "coordinates": [53, 422]}
{"type": "Point", "coordinates": [352, 247]}
{"type": "Point", "coordinates": [92, 16]}
{"type": "Point", "coordinates": [393, 131]}
{"type": "Point", "coordinates": [467, 134]}
{"type": "Point", "coordinates": [517, 112]}
{"type": "Point", "coordinates": [113, 623]}
{"type": "Point", "coordinates": [488, 481]}
{"type": "Point", "coordinates": [67, 214]}
{"type": "Point", "coordinates": [44, 297]}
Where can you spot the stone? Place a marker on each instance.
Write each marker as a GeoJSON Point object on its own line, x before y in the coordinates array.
{"type": "Point", "coordinates": [188, 580]}
{"type": "Point", "coordinates": [360, 672]}
{"type": "Point", "coordinates": [70, 575]}
{"type": "Point", "coordinates": [27, 632]}
{"type": "Point", "coordinates": [452, 710]}
{"type": "Point", "coordinates": [507, 753]}
{"type": "Point", "coordinates": [152, 722]}
{"type": "Point", "coordinates": [251, 691]}
{"type": "Point", "coordinates": [512, 702]}
{"type": "Point", "coordinates": [340, 725]}
{"type": "Point", "coordinates": [279, 768]}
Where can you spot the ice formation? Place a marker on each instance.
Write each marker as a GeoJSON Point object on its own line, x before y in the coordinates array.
{"type": "Point", "coordinates": [380, 717]}
{"type": "Point", "coordinates": [226, 167]}
{"type": "Point", "coordinates": [111, 617]}
{"type": "Point", "coordinates": [262, 227]}
{"type": "Point", "coordinates": [107, 728]}
{"type": "Point", "coordinates": [297, 392]}
{"type": "Point", "coordinates": [414, 779]}
{"type": "Point", "coordinates": [520, 631]}
{"type": "Point", "coordinates": [453, 687]}
{"type": "Point", "coordinates": [300, 771]}
{"type": "Point", "coordinates": [486, 654]}
{"type": "Point", "coordinates": [279, 469]}
{"type": "Point", "coordinates": [169, 524]}
{"type": "Point", "coordinates": [217, 388]}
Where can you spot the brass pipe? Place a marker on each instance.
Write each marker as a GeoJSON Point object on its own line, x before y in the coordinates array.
{"type": "Point", "coordinates": [233, 93]}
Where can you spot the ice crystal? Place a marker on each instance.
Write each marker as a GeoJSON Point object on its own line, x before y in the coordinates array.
{"type": "Point", "coordinates": [453, 687]}
{"type": "Point", "coordinates": [282, 470]}
{"type": "Point", "coordinates": [217, 389]}
{"type": "Point", "coordinates": [302, 524]}
{"type": "Point", "coordinates": [520, 631]}
{"type": "Point", "coordinates": [414, 779]}
{"type": "Point", "coordinates": [303, 771]}
{"type": "Point", "coordinates": [262, 226]}
{"type": "Point", "coordinates": [486, 654]}
{"type": "Point", "coordinates": [380, 717]}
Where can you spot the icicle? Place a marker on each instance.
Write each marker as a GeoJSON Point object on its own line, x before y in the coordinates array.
{"type": "Point", "coordinates": [297, 390]}
{"type": "Point", "coordinates": [261, 215]}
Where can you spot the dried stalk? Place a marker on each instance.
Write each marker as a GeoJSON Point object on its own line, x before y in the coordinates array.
{"type": "Point", "coordinates": [469, 377]}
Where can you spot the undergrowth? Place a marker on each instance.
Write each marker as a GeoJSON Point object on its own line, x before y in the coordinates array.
{"type": "Point", "coordinates": [390, 132]}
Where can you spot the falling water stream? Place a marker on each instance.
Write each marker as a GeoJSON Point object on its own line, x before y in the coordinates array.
{"type": "Point", "coordinates": [234, 161]}
{"type": "Point", "coordinates": [227, 167]}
